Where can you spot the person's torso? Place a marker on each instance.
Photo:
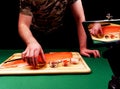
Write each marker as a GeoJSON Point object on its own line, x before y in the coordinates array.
{"type": "Point", "coordinates": [47, 14]}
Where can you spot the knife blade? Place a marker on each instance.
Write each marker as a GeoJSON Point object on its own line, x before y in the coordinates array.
{"type": "Point", "coordinates": [13, 60]}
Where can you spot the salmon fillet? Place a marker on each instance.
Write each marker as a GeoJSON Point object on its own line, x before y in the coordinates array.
{"type": "Point", "coordinates": [56, 56]}
{"type": "Point", "coordinates": [110, 29]}
{"type": "Point", "coordinates": [49, 57]}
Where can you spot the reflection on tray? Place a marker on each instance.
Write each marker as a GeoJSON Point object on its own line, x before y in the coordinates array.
{"type": "Point", "coordinates": [111, 32]}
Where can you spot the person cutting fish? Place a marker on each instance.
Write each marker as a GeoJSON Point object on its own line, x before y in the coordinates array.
{"type": "Point", "coordinates": [43, 20]}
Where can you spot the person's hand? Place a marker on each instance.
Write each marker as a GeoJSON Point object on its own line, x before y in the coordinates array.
{"type": "Point", "coordinates": [96, 30]}
{"type": "Point", "coordinates": [89, 52]}
{"type": "Point", "coordinates": [32, 52]}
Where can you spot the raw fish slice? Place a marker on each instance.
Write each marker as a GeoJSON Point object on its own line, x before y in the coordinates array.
{"type": "Point", "coordinates": [57, 56]}
{"type": "Point", "coordinates": [13, 64]}
{"type": "Point", "coordinates": [110, 29]}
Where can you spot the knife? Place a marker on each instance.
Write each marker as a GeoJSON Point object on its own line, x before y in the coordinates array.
{"type": "Point", "coordinates": [13, 60]}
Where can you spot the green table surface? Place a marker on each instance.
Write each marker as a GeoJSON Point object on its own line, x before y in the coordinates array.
{"type": "Point", "coordinates": [97, 79]}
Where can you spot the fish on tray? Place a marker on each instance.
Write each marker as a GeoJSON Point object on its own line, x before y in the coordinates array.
{"type": "Point", "coordinates": [52, 56]}
{"type": "Point", "coordinates": [13, 64]}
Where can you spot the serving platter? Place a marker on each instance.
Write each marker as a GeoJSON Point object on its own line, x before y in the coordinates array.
{"type": "Point", "coordinates": [11, 66]}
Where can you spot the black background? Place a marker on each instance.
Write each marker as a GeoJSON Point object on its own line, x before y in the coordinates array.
{"type": "Point", "coordinates": [97, 9]}
{"type": "Point", "coordinates": [9, 38]}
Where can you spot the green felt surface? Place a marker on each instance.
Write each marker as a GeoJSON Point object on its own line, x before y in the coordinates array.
{"type": "Point", "coordinates": [97, 79]}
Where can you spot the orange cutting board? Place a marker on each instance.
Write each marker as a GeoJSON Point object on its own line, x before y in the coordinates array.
{"type": "Point", "coordinates": [23, 68]}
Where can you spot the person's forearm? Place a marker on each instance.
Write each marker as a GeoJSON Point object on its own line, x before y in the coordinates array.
{"type": "Point", "coordinates": [26, 34]}
{"type": "Point", "coordinates": [78, 13]}
{"type": "Point", "coordinates": [81, 36]}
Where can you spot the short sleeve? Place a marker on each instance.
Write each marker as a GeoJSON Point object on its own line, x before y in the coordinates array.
{"type": "Point", "coordinates": [72, 1]}
{"type": "Point", "coordinates": [25, 7]}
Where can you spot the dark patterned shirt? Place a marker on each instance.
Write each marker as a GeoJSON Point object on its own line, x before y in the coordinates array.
{"type": "Point", "coordinates": [47, 14]}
